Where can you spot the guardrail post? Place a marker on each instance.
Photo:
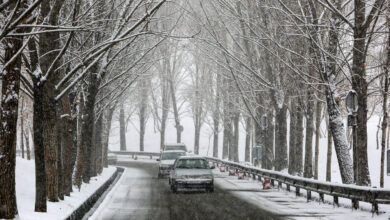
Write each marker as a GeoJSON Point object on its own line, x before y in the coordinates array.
{"type": "Point", "coordinates": [375, 208]}
{"type": "Point", "coordinates": [132, 156]}
{"type": "Point", "coordinates": [355, 203]}
{"type": "Point", "coordinates": [279, 184]}
{"type": "Point", "coordinates": [259, 177]}
{"type": "Point", "coordinates": [308, 195]}
{"type": "Point", "coordinates": [297, 190]}
{"type": "Point", "coordinates": [321, 197]}
{"type": "Point", "coordinates": [254, 176]}
{"type": "Point", "coordinates": [150, 156]}
{"type": "Point", "coordinates": [336, 201]}
{"type": "Point", "coordinates": [272, 182]}
{"type": "Point", "coordinates": [288, 187]}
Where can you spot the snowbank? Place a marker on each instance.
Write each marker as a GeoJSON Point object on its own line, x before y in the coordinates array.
{"type": "Point", "coordinates": [25, 193]}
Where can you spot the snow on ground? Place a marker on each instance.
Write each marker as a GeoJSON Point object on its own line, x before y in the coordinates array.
{"type": "Point", "coordinates": [134, 173]}
{"type": "Point", "coordinates": [25, 193]}
{"type": "Point", "coordinates": [284, 203]}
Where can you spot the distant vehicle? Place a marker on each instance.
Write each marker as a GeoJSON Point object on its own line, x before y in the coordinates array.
{"type": "Point", "coordinates": [257, 155]}
{"type": "Point", "coordinates": [112, 159]}
{"type": "Point", "coordinates": [168, 147]}
{"type": "Point", "coordinates": [167, 158]}
{"type": "Point", "coordinates": [191, 172]}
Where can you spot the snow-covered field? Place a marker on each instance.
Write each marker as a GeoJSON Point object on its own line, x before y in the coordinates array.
{"type": "Point", "coordinates": [25, 193]}
{"type": "Point", "coordinates": [152, 143]}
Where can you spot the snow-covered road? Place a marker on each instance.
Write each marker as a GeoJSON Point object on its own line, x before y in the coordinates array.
{"type": "Point", "coordinates": [139, 194]}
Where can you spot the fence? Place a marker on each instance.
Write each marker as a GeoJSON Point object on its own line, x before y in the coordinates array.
{"type": "Point", "coordinates": [354, 193]}
{"type": "Point", "coordinates": [134, 153]}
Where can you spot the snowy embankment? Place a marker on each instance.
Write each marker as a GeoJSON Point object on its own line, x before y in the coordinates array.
{"type": "Point", "coordinates": [284, 203]}
{"type": "Point", "coordinates": [25, 193]}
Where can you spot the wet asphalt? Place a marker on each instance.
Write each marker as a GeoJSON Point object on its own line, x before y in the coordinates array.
{"type": "Point", "coordinates": [140, 195]}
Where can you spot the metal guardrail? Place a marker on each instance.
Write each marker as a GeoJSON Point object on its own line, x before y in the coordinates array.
{"type": "Point", "coordinates": [371, 195]}
{"type": "Point", "coordinates": [355, 193]}
{"type": "Point", "coordinates": [136, 153]}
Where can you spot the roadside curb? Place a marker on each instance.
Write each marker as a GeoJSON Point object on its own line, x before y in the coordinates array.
{"type": "Point", "coordinates": [90, 202]}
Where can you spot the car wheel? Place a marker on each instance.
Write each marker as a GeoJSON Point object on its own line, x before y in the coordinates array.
{"type": "Point", "coordinates": [174, 188]}
{"type": "Point", "coordinates": [210, 189]}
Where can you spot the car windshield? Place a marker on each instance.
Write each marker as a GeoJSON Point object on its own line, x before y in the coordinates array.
{"type": "Point", "coordinates": [175, 147]}
{"type": "Point", "coordinates": [171, 155]}
{"type": "Point", "coordinates": [192, 164]}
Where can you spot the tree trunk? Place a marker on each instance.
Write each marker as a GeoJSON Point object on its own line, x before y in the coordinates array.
{"type": "Point", "coordinates": [39, 150]}
{"type": "Point", "coordinates": [226, 133]}
{"type": "Point", "coordinates": [215, 134]}
{"type": "Point", "coordinates": [99, 145]}
{"type": "Point", "coordinates": [49, 43]}
{"type": "Point", "coordinates": [281, 139]}
{"type": "Point", "coordinates": [236, 136]}
{"type": "Point", "coordinates": [164, 111]}
{"type": "Point", "coordinates": [328, 71]}
{"type": "Point", "coordinates": [270, 140]}
{"type": "Point", "coordinates": [92, 162]}
{"type": "Point", "coordinates": [359, 84]}
{"type": "Point", "coordinates": [197, 137]}
{"type": "Point", "coordinates": [231, 138]}
{"type": "Point", "coordinates": [81, 154]}
{"type": "Point", "coordinates": [122, 128]}
{"type": "Point", "coordinates": [384, 105]}
{"type": "Point", "coordinates": [143, 112]}
{"type": "Point", "coordinates": [88, 123]}
{"type": "Point", "coordinates": [299, 141]}
{"type": "Point", "coordinates": [308, 168]}
{"type": "Point", "coordinates": [142, 122]}
{"type": "Point", "coordinates": [329, 158]}
{"type": "Point", "coordinates": [67, 145]}
{"type": "Point", "coordinates": [60, 171]}
{"type": "Point", "coordinates": [216, 115]}
{"type": "Point", "coordinates": [107, 127]}
{"type": "Point", "coordinates": [317, 139]}
{"type": "Point", "coordinates": [73, 131]}
{"type": "Point", "coordinates": [248, 139]}
{"type": "Point", "coordinates": [21, 127]}
{"type": "Point", "coordinates": [28, 150]}
{"type": "Point", "coordinates": [175, 111]}
{"type": "Point", "coordinates": [292, 143]}
{"type": "Point", "coordinates": [8, 127]}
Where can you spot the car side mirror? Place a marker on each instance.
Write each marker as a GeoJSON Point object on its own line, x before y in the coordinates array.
{"type": "Point", "coordinates": [158, 159]}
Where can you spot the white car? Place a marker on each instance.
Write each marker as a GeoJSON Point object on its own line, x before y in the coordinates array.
{"type": "Point", "coordinates": [167, 158]}
{"type": "Point", "coordinates": [192, 172]}
{"type": "Point", "coordinates": [169, 147]}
